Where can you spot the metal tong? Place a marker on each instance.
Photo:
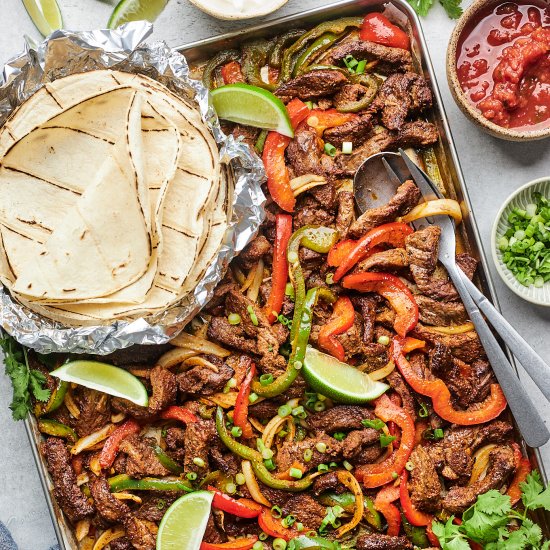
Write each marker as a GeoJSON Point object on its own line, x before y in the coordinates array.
{"type": "Point", "coordinates": [525, 412]}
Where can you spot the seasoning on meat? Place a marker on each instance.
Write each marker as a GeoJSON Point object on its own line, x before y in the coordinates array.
{"type": "Point", "coordinates": [312, 85]}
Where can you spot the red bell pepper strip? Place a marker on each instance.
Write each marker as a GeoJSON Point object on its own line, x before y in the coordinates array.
{"type": "Point", "coordinates": [231, 73]}
{"type": "Point", "coordinates": [321, 120]}
{"type": "Point", "coordinates": [240, 413]}
{"type": "Point", "coordinates": [343, 317]}
{"type": "Point", "coordinates": [278, 178]}
{"type": "Point", "coordinates": [383, 503]}
{"type": "Point", "coordinates": [377, 28]}
{"type": "Point", "coordinates": [110, 449]}
{"type": "Point", "coordinates": [279, 277]}
{"type": "Point", "coordinates": [390, 233]}
{"type": "Point", "coordinates": [522, 471]}
{"type": "Point", "coordinates": [434, 541]}
{"type": "Point", "coordinates": [274, 527]}
{"type": "Point", "coordinates": [178, 413]}
{"type": "Point", "coordinates": [413, 515]}
{"type": "Point", "coordinates": [242, 508]}
{"type": "Point", "coordinates": [394, 290]}
{"type": "Point", "coordinates": [376, 475]}
{"type": "Point", "coordinates": [410, 344]}
{"type": "Point", "coordinates": [441, 396]}
{"type": "Point", "coordinates": [244, 543]}
{"type": "Point", "coordinates": [340, 251]}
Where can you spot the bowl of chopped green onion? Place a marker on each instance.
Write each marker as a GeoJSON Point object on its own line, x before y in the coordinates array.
{"type": "Point", "coordinates": [521, 242]}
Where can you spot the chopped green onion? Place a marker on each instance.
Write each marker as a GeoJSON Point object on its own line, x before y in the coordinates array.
{"type": "Point", "coordinates": [333, 465]}
{"type": "Point", "coordinates": [360, 69]}
{"type": "Point", "coordinates": [299, 412]}
{"type": "Point", "coordinates": [384, 340]}
{"type": "Point", "coordinates": [347, 147]}
{"type": "Point", "coordinates": [385, 440]}
{"type": "Point", "coordinates": [296, 473]}
{"type": "Point", "coordinates": [299, 526]}
{"type": "Point", "coordinates": [339, 436]}
{"type": "Point", "coordinates": [394, 475]}
{"type": "Point", "coordinates": [288, 521]}
{"type": "Point", "coordinates": [409, 466]}
{"type": "Point", "coordinates": [234, 318]}
{"type": "Point", "coordinates": [191, 476]}
{"type": "Point", "coordinates": [308, 453]}
{"type": "Point", "coordinates": [289, 291]}
{"type": "Point", "coordinates": [423, 412]}
{"type": "Point", "coordinates": [347, 466]}
{"type": "Point", "coordinates": [350, 62]}
{"type": "Point", "coordinates": [231, 488]}
{"type": "Point", "coordinates": [276, 512]}
{"type": "Point", "coordinates": [236, 431]}
{"type": "Point", "coordinates": [266, 379]}
{"type": "Point", "coordinates": [258, 545]}
{"type": "Point", "coordinates": [197, 461]}
{"type": "Point", "coordinates": [269, 464]}
{"type": "Point", "coordinates": [253, 397]}
{"type": "Point", "coordinates": [322, 468]}
{"type": "Point", "coordinates": [321, 447]}
{"type": "Point", "coordinates": [279, 544]}
{"type": "Point", "coordinates": [329, 279]}
{"type": "Point", "coordinates": [319, 406]}
{"type": "Point", "coordinates": [284, 410]}
{"type": "Point", "coordinates": [377, 424]}
{"type": "Point", "coordinates": [330, 150]}
{"type": "Point", "coordinates": [263, 536]}
{"type": "Point", "coordinates": [240, 479]}
{"type": "Point", "coordinates": [530, 210]}
{"type": "Point", "coordinates": [438, 433]}
{"type": "Point", "coordinates": [309, 104]}
{"type": "Point", "coordinates": [253, 316]}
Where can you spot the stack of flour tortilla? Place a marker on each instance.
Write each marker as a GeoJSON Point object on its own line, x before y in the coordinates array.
{"type": "Point", "coordinates": [113, 200]}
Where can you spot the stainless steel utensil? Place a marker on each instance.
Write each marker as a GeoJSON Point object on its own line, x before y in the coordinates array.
{"type": "Point", "coordinates": [524, 410]}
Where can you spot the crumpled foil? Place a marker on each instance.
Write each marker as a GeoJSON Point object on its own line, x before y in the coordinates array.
{"type": "Point", "coordinates": [64, 53]}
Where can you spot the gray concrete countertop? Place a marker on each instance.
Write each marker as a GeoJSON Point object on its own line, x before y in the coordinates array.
{"type": "Point", "coordinates": [492, 169]}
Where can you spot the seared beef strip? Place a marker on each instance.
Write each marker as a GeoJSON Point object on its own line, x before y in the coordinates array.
{"type": "Point", "coordinates": [391, 259]}
{"type": "Point", "coordinates": [135, 411]}
{"type": "Point", "coordinates": [139, 534]}
{"type": "Point", "coordinates": [199, 437]}
{"type": "Point", "coordinates": [95, 411]}
{"type": "Point", "coordinates": [67, 494]}
{"type": "Point", "coordinates": [383, 542]}
{"type": "Point", "coordinates": [388, 60]}
{"type": "Point", "coordinates": [422, 249]}
{"type": "Point", "coordinates": [346, 213]}
{"type": "Point", "coordinates": [312, 85]}
{"type": "Point", "coordinates": [304, 152]}
{"type": "Point", "coordinates": [400, 96]}
{"type": "Point", "coordinates": [248, 134]}
{"type": "Point", "coordinates": [436, 313]}
{"type": "Point", "coordinates": [501, 465]}
{"type": "Point", "coordinates": [424, 484]}
{"type": "Point", "coordinates": [358, 441]}
{"type": "Point", "coordinates": [154, 505]}
{"type": "Point", "coordinates": [164, 389]}
{"type": "Point", "coordinates": [122, 543]}
{"type": "Point", "coordinates": [356, 131]}
{"type": "Point", "coordinates": [412, 134]}
{"type": "Point", "coordinates": [203, 380]}
{"type": "Point", "coordinates": [136, 355]}
{"type": "Point", "coordinates": [405, 199]}
{"type": "Point", "coordinates": [254, 251]}
{"type": "Point", "coordinates": [305, 509]}
{"type": "Point", "coordinates": [141, 460]}
{"type": "Point", "coordinates": [108, 507]}
{"type": "Point", "coordinates": [340, 417]}
{"type": "Point", "coordinates": [291, 453]}
{"type": "Point", "coordinates": [396, 381]}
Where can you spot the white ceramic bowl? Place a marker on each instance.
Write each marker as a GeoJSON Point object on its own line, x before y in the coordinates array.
{"type": "Point", "coordinates": [519, 198]}
{"type": "Point", "coordinates": [223, 9]}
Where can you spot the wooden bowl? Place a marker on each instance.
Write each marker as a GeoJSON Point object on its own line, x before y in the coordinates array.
{"type": "Point", "coordinates": [467, 107]}
{"type": "Point", "coordinates": [233, 14]}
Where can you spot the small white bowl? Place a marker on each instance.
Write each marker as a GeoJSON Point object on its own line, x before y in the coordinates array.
{"type": "Point", "coordinates": [519, 198]}
{"type": "Point", "coordinates": [223, 9]}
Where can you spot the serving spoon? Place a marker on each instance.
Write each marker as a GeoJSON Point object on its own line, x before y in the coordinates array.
{"type": "Point", "coordinates": [374, 184]}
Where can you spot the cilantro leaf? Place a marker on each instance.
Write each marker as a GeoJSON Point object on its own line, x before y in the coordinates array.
{"type": "Point", "coordinates": [37, 379]}
{"type": "Point", "coordinates": [493, 502]}
{"type": "Point", "coordinates": [534, 495]}
{"type": "Point", "coordinates": [533, 533]}
{"type": "Point", "coordinates": [449, 535]}
{"type": "Point", "coordinates": [481, 522]}
{"type": "Point", "coordinates": [422, 7]}
{"type": "Point", "coordinates": [452, 7]}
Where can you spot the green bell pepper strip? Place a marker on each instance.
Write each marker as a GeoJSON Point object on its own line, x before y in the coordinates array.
{"type": "Point", "coordinates": [54, 402]}
{"type": "Point", "coordinates": [345, 500]}
{"type": "Point", "coordinates": [276, 57]}
{"type": "Point", "coordinates": [56, 429]}
{"type": "Point", "coordinates": [319, 46]}
{"type": "Point", "coordinates": [337, 26]}
{"type": "Point", "coordinates": [417, 535]}
{"type": "Point", "coordinates": [123, 482]}
{"type": "Point", "coordinates": [265, 476]}
{"type": "Point", "coordinates": [235, 446]}
{"type": "Point", "coordinates": [371, 514]}
{"type": "Point", "coordinates": [370, 86]}
{"type": "Point", "coordinates": [260, 142]}
{"type": "Point", "coordinates": [167, 461]}
{"type": "Point", "coordinates": [310, 68]}
{"type": "Point", "coordinates": [254, 57]}
{"type": "Point", "coordinates": [221, 58]}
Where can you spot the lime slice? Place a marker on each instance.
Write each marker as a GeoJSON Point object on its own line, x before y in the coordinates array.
{"type": "Point", "coordinates": [135, 10]}
{"type": "Point", "coordinates": [45, 15]}
{"type": "Point", "coordinates": [184, 523]}
{"type": "Point", "coordinates": [339, 381]}
{"type": "Point", "coordinates": [106, 378]}
{"type": "Point", "coordinates": [252, 106]}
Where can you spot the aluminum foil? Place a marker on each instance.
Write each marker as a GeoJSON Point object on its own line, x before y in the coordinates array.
{"type": "Point", "coordinates": [64, 53]}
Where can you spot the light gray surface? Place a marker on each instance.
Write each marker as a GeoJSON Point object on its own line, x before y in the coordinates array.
{"type": "Point", "coordinates": [492, 169]}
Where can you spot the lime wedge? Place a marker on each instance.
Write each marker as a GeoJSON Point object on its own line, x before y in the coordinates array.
{"type": "Point", "coordinates": [45, 15]}
{"type": "Point", "coordinates": [135, 10]}
{"type": "Point", "coordinates": [184, 523]}
{"type": "Point", "coordinates": [252, 106]}
{"type": "Point", "coordinates": [339, 381]}
{"type": "Point", "coordinates": [106, 378]}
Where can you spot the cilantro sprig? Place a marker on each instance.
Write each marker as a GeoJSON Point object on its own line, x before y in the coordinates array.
{"type": "Point", "coordinates": [493, 523]}
{"type": "Point", "coordinates": [25, 381]}
{"type": "Point", "coordinates": [452, 7]}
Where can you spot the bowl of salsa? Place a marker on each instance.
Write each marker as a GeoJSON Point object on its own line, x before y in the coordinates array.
{"type": "Point", "coordinates": [498, 67]}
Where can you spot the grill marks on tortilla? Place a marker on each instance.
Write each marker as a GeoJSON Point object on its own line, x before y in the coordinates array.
{"type": "Point", "coordinates": [173, 168]}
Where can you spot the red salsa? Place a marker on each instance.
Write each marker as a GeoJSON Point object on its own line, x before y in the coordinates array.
{"type": "Point", "coordinates": [503, 65]}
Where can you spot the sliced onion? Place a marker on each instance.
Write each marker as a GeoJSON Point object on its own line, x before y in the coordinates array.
{"type": "Point", "coordinates": [252, 484]}
{"type": "Point", "coordinates": [69, 402]}
{"type": "Point", "coordinates": [271, 429]}
{"type": "Point", "coordinates": [481, 461]}
{"type": "Point", "coordinates": [349, 481]}
{"type": "Point", "coordinates": [437, 207]}
{"type": "Point", "coordinates": [127, 496]}
{"type": "Point", "coordinates": [238, 274]}
{"type": "Point", "coordinates": [224, 400]}
{"type": "Point", "coordinates": [201, 362]}
{"type": "Point", "coordinates": [118, 417]}
{"type": "Point", "coordinates": [306, 182]}
{"type": "Point", "coordinates": [249, 279]}
{"type": "Point", "coordinates": [257, 424]}
{"type": "Point", "coordinates": [95, 466]}
{"type": "Point", "coordinates": [108, 536]}
{"type": "Point", "coordinates": [80, 480]}
{"type": "Point", "coordinates": [457, 329]}
{"type": "Point", "coordinates": [82, 529]}
{"type": "Point", "coordinates": [186, 340]}
{"type": "Point", "coordinates": [94, 438]}
{"type": "Point", "coordinates": [141, 373]}
{"type": "Point", "coordinates": [379, 373]}
{"type": "Point", "coordinates": [175, 357]}
{"type": "Point", "coordinates": [254, 289]}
